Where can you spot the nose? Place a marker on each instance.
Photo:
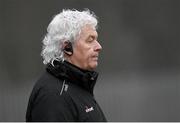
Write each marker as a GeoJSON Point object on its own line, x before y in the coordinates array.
{"type": "Point", "coordinates": [98, 47]}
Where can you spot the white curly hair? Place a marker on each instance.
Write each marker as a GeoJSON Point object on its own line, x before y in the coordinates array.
{"type": "Point", "coordinates": [65, 26]}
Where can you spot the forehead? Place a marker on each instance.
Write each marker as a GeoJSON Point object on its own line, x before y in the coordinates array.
{"type": "Point", "coordinates": [87, 31]}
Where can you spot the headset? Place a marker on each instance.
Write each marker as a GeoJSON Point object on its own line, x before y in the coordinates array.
{"type": "Point", "coordinates": [68, 49]}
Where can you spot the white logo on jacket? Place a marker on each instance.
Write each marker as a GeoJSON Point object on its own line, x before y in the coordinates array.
{"type": "Point", "coordinates": [64, 87]}
{"type": "Point", "coordinates": [89, 109]}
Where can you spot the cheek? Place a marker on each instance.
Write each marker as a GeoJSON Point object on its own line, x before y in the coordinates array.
{"type": "Point", "coordinates": [83, 56]}
{"type": "Point", "coordinates": [86, 53]}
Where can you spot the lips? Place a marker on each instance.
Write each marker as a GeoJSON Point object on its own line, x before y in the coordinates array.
{"type": "Point", "coordinates": [95, 57]}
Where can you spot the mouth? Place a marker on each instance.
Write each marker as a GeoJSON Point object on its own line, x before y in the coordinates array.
{"type": "Point", "coordinates": [95, 57]}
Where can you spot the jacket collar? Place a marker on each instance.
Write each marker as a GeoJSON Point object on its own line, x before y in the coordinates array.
{"type": "Point", "coordinates": [83, 78]}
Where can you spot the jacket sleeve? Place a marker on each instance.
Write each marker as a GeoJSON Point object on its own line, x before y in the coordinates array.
{"type": "Point", "coordinates": [52, 107]}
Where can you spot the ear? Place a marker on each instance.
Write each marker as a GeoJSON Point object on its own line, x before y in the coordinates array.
{"type": "Point", "coordinates": [67, 48]}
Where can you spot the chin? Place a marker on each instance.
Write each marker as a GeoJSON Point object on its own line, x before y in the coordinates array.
{"type": "Point", "coordinates": [94, 66]}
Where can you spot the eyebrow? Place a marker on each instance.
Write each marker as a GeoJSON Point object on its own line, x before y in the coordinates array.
{"type": "Point", "coordinates": [93, 36]}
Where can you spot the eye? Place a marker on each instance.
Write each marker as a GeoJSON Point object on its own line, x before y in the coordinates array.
{"type": "Point", "coordinates": [91, 39]}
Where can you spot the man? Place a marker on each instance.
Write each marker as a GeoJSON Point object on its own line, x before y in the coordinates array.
{"type": "Point", "coordinates": [70, 51]}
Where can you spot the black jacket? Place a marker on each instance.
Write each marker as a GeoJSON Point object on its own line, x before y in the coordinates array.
{"type": "Point", "coordinates": [64, 93]}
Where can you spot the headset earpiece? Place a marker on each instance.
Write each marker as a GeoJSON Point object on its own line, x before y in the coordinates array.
{"type": "Point", "coordinates": [68, 49]}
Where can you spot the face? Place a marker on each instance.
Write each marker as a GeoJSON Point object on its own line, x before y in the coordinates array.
{"type": "Point", "coordinates": [86, 49]}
